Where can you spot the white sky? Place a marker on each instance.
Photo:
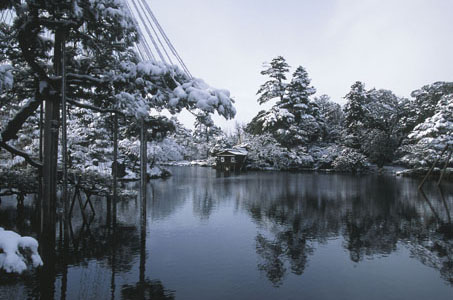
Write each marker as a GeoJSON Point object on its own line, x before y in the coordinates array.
{"type": "Point", "coordinates": [399, 45]}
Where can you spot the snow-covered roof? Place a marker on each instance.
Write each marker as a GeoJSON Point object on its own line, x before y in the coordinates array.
{"type": "Point", "coordinates": [234, 151]}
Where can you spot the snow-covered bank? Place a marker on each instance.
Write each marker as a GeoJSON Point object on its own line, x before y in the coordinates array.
{"type": "Point", "coordinates": [186, 163]}
{"type": "Point", "coordinates": [421, 172]}
{"type": "Point", "coordinates": [16, 252]}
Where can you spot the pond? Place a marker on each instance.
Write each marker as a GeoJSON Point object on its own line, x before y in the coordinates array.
{"type": "Point", "coordinates": [255, 235]}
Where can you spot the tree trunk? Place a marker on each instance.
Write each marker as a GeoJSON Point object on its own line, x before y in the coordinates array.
{"type": "Point", "coordinates": [50, 153]}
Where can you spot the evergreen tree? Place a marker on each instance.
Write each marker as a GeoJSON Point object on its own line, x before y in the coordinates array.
{"type": "Point", "coordinates": [354, 114]}
{"type": "Point", "coordinates": [204, 134]}
{"type": "Point", "coordinates": [275, 87]}
{"type": "Point", "coordinates": [428, 139]}
{"type": "Point", "coordinates": [103, 71]}
{"type": "Point", "coordinates": [299, 92]}
{"type": "Point", "coordinates": [332, 117]}
{"type": "Point", "coordinates": [425, 102]}
{"type": "Point", "coordinates": [294, 119]}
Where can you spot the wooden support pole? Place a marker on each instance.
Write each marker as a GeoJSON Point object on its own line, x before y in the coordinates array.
{"type": "Point", "coordinates": [64, 140]}
{"type": "Point", "coordinates": [41, 123]}
{"type": "Point", "coordinates": [432, 168]}
{"type": "Point", "coordinates": [115, 165]}
{"type": "Point", "coordinates": [444, 168]}
{"type": "Point", "coordinates": [143, 166]}
{"type": "Point", "coordinates": [430, 205]}
{"type": "Point", "coordinates": [143, 181]}
{"type": "Point", "coordinates": [447, 210]}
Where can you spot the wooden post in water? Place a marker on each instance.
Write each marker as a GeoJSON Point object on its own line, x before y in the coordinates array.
{"type": "Point", "coordinates": [41, 125]}
{"type": "Point", "coordinates": [40, 189]}
{"type": "Point", "coordinates": [143, 166]}
{"type": "Point", "coordinates": [115, 164]}
{"type": "Point", "coordinates": [64, 141]}
{"type": "Point", "coordinates": [143, 181]}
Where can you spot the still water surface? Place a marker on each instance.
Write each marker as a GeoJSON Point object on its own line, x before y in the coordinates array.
{"type": "Point", "coordinates": [257, 235]}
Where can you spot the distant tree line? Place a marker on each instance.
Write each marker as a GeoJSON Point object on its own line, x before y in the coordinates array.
{"type": "Point", "coordinates": [374, 127]}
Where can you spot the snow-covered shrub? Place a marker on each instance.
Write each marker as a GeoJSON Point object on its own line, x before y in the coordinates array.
{"type": "Point", "coordinates": [324, 156]}
{"type": "Point", "coordinates": [165, 151]}
{"type": "Point", "coordinates": [17, 251]}
{"type": "Point", "coordinates": [350, 160]}
{"type": "Point", "coordinates": [266, 153]}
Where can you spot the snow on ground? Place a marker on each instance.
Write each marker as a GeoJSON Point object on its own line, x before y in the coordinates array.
{"type": "Point", "coordinates": [17, 251]}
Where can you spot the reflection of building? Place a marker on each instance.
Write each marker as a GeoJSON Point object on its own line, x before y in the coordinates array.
{"type": "Point", "coordinates": [231, 159]}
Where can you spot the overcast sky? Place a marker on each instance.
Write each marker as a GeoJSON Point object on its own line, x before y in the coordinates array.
{"type": "Point", "coordinates": [399, 45]}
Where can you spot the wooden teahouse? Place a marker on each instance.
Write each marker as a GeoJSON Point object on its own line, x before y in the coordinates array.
{"type": "Point", "coordinates": [231, 160]}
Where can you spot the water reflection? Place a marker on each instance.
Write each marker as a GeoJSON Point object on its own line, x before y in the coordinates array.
{"type": "Point", "coordinates": [210, 236]}
{"type": "Point", "coordinates": [296, 212]}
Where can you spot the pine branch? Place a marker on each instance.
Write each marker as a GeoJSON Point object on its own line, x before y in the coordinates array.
{"type": "Point", "coordinates": [84, 78]}
{"type": "Point", "coordinates": [95, 108]}
{"type": "Point", "coordinates": [23, 154]}
{"type": "Point", "coordinates": [15, 124]}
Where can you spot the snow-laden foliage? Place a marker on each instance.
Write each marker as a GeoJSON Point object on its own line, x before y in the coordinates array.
{"type": "Point", "coordinates": [324, 155]}
{"type": "Point", "coordinates": [373, 123]}
{"type": "Point", "coordinates": [294, 120]}
{"type": "Point", "coordinates": [426, 99]}
{"type": "Point", "coordinates": [165, 151]}
{"type": "Point", "coordinates": [17, 251]}
{"type": "Point", "coordinates": [332, 117]}
{"type": "Point", "coordinates": [104, 74]}
{"type": "Point", "coordinates": [428, 139]}
{"type": "Point", "coordinates": [89, 141]}
{"type": "Point", "coordinates": [147, 85]}
{"type": "Point", "coordinates": [275, 87]}
{"type": "Point", "coordinates": [264, 152]}
{"type": "Point", "coordinates": [350, 160]}
{"type": "Point", "coordinates": [6, 78]}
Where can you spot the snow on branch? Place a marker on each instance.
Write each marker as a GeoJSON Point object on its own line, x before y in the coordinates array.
{"type": "Point", "coordinates": [92, 107]}
{"type": "Point", "coordinates": [17, 251]}
{"type": "Point", "coordinates": [23, 154]}
{"type": "Point", "coordinates": [159, 85]}
{"type": "Point", "coordinates": [6, 78]}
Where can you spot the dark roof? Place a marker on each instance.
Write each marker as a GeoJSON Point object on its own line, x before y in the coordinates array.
{"type": "Point", "coordinates": [233, 151]}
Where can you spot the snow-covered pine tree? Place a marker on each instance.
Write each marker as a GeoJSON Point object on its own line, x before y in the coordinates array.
{"type": "Point", "coordinates": [103, 72]}
{"type": "Point", "coordinates": [204, 135]}
{"type": "Point", "coordinates": [294, 119]}
{"type": "Point", "coordinates": [354, 114]}
{"type": "Point", "coordinates": [306, 112]}
{"type": "Point", "coordinates": [425, 102]}
{"type": "Point", "coordinates": [332, 117]}
{"type": "Point", "coordinates": [275, 87]}
{"type": "Point", "coordinates": [382, 131]}
{"type": "Point", "coordinates": [428, 139]}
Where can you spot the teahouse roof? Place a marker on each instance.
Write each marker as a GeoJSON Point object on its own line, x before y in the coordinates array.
{"type": "Point", "coordinates": [233, 151]}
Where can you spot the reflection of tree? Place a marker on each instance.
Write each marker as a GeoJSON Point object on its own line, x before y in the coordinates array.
{"type": "Point", "coordinates": [437, 252]}
{"type": "Point", "coordinates": [145, 289]}
{"type": "Point", "coordinates": [95, 241]}
{"type": "Point", "coordinates": [203, 204]}
{"type": "Point", "coordinates": [150, 289]}
{"type": "Point", "coordinates": [373, 214]}
{"type": "Point", "coordinates": [287, 246]}
{"type": "Point", "coordinates": [366, 236]}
